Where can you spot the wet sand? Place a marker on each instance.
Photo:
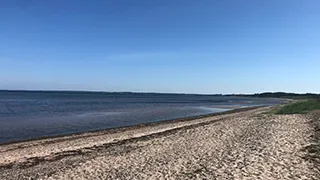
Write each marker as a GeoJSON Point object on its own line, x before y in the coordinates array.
{"type": "Point", "coordinates": [243, 144]}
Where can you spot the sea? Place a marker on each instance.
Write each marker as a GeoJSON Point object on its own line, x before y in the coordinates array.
{"type": "Point", "coordinates": [35, 114]}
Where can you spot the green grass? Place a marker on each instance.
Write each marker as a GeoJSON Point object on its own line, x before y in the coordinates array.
{"type": "Point", "coordinates": [301, 107]}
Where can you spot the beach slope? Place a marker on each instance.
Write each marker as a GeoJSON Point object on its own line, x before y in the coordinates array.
{"type": "Point", "coordinates": [248, 144]}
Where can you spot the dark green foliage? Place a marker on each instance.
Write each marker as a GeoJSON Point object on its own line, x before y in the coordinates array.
{"type": "Point", "coordinates": [287, 95]}
{"type": "Point", "coordinates": [314, 149]}
{"type": "Point", "coordinates": [300, 107]}
{"type": "Point", "coordinates": [280, 95]}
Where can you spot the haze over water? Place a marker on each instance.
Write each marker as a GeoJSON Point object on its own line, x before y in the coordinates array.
{"type": "Point", "coordinates": [27, 115]}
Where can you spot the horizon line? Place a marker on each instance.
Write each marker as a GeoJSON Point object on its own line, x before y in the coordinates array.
{"type": "Point", "coordinates": [146, 92]}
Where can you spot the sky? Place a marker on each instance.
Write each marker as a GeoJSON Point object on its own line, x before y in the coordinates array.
{"type": "Point", "coordinates": [175, 46]}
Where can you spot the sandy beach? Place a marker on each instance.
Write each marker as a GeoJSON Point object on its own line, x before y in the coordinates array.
{"type": "Point", "coordinates": [243, 144]}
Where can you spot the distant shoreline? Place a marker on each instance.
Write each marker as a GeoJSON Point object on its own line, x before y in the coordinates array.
{"type": "Point", "coordinates": [281, 95]}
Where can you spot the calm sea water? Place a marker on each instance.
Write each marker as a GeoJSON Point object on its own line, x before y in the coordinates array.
{"type": "Point", "coordinates": [26, 115]}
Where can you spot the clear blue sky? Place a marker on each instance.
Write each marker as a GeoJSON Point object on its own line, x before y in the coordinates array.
{"type": "Point", "coordinates": [202, 46]}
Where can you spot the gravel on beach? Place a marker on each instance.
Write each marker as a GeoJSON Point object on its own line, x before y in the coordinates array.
{"type": "Point", "coordinates": [248, 144]}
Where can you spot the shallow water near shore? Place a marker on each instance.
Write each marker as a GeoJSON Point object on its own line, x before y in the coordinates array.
{"type": "Point", "coordinates": [27, 115]}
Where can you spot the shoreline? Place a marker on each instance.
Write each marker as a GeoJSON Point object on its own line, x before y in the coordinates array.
{"type": "Point", "coordinates": [237, 144]}
{"type": "Point", "coordinates": [37, 150]}
{"type": "Point", "coordinates": [70, 136]}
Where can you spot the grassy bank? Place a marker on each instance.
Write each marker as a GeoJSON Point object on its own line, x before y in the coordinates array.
{"type": "Point", "coordinates": [300, 107]}
{"type": "Point", "coordinates": [310, 108]}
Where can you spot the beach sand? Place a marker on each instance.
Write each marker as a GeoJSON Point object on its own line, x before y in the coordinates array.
{"type": "Point", "coordinates": [243, 144]}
